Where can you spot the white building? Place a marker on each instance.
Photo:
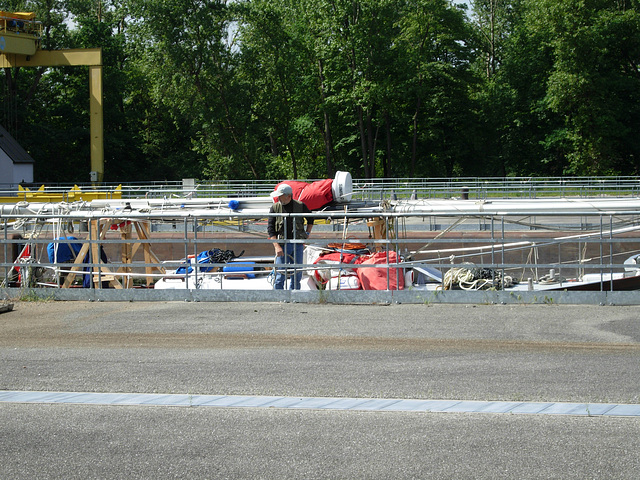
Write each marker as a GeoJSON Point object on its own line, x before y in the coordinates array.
{"type": "Point", "coordinates": [16, 165]}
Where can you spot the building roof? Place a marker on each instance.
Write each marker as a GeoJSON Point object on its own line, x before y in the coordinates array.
{"type": "Point", "coordinates": [13, 149]}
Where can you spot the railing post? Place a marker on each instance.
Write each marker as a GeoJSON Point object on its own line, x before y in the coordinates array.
{"type": "Point", "coordinates": [185, 239]}
{"type": "Point", "coordinates": [6, 253]}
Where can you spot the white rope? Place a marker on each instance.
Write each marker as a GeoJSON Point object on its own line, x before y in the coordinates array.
{"type": "Point", "coordinates": [464, 278]}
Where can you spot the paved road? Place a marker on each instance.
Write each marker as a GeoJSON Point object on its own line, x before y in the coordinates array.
{"type": "Point", "coordinates": [500, 353]}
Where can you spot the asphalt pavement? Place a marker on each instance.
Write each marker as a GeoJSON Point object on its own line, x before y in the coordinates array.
{"type": "Point", "coordinates": [484, 353]}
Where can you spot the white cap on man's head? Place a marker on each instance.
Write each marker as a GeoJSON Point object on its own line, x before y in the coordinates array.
{"type": "Point", "coordinates": [282, 189]}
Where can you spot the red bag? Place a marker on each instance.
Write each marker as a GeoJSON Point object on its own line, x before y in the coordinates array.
{"type": "Point", "coordinates": [317, 195]}
{"type": "Point", "coordinates": [376, 278]}
{"type": "Point", "coordinates": [314, 195]}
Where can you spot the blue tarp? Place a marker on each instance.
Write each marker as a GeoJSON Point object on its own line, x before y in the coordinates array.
{"type": "Point", "coordinates": [64, 250]}
{"type": "Point", "coordinates": [64, 255]}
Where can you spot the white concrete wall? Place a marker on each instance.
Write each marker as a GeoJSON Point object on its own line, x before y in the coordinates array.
{"type": "Point", "coordinates": [23, 172]}
{"type": "Point", "coordinates": [6, 168]}
{"type": "Point", "coordinates": [14, 173]}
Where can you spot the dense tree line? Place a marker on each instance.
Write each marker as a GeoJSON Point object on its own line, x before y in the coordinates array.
{"type": "Point", "coordinates": [301, 88]}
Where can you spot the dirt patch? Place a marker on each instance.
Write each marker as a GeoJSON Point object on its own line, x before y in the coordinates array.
{"type": "Point", "coordinates": [57, 324]}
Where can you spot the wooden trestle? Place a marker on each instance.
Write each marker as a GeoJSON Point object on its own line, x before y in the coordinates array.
{"type": "Point", "coordinates": [100, 272]}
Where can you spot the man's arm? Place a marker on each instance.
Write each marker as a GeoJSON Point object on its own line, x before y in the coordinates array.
{"type": "Point", "coordinates": [271, 232]}
{"type": "Point", "coordinates": [310, 220]}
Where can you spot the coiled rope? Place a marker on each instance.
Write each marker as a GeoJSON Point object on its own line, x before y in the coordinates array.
{"type": "Point", "coordinates": [474, 278]}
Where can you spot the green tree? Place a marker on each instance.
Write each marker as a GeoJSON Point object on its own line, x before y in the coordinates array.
{"type": "Point", "coordinates": [593, 84]}
{"type": "Point", "coordinates": [186, 52]}
{"type": "Point", "coordinates": [505, 63]}
{"type": "Point", "coordinates": [274, 62]}
{"type": "Point", "coordinates": [494, 22]}
{"type": "Point", "coordinates": [436, 82]}
{"type": "Point", "coordinates": [352, 45]}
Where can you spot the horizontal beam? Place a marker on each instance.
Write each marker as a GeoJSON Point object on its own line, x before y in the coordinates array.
{"type": "Point", "coordinates": [54, 58]}
{"type": "Point", "coordinates": [12, 42]}
{"type": "Point", "coordinates": [91, 57]}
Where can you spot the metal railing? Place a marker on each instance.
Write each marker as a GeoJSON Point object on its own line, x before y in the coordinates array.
{"type": "Point", "coordinates": [363, 189]}
{"type": "Point", "coordinates": [140, 256]}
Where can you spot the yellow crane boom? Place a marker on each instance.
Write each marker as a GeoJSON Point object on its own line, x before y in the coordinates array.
{"type": "Point", "coordinates": [20, 33]}
{"type": "Point", "coordinates": [20, 37]}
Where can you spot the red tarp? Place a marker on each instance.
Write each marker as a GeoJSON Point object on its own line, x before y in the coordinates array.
{"type": "Point", "coordinates": [329, 259]}
{"type": "Point", "coordinates": [314, 195]}
{"type": "Point", "coordinates": [371, 278]}
{"type": "Point", "coordinates": [376, 278]}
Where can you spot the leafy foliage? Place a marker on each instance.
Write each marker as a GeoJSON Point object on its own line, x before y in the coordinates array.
{"type": "Point", "coordinates": [302, 88]}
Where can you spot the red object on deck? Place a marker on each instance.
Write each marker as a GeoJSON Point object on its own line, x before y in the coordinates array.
{"type": "Point", "coordinates": [314, 195]}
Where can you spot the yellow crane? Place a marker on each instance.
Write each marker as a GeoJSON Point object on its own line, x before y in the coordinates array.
{"type": "Point", "coordinates": [20, 36]}
{"type": "Point", "coordinates": [19, 32]}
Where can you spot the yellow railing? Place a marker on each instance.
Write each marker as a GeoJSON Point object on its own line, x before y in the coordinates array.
{"type": "Point", "coordinates": [20, 22]}
{"type": "Point", "coordinates": [42, 195]}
